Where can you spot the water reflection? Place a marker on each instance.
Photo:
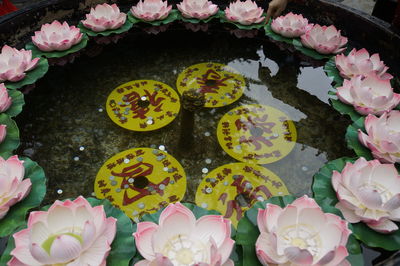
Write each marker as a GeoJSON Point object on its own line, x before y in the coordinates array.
{"type": "Point", "coordinates": [314, 81]}
{"type": "Point", "coordinates": [62, 114]}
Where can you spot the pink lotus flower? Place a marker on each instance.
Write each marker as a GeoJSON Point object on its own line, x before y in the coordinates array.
{"type": "Point", "coordinates": [383, 136]}
{"type": "Point", "coordinates": [104, 17]}
{"type": "Point", "coordinates": [369, 192]}
{"type": "Point", "coordinates": [360, 63]}
{"type": "Point", "coordinates": [179, 239]}
{"type": "Point", "coordinates": [56, 37]}
{"type": "Point", "coordinates": [245, 13]}
{"type": "Point", "coordinates": [301, 234]}
{"type": "Point", "coordinates": [5, 100]}
{"type": "Point", "coordinates": [370, 95]}
{"type": "Point", "coordinates": [200, 9]}
{"type": "Point", "coordinates": [323, 39]}
{"type": "Point", "coordinates": [291, 25]}
{"type": "Point", "coordinates": [13, 186]}
{"type": "Point", "coordinates": [14, 63]}
{"type": "Point", "coordinates": [69, 233]}
{"type": "Point", "coordinates": [150, 10]}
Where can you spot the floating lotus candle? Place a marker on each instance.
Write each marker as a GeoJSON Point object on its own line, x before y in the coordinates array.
{"type": "Point", "coordinates": [291, 25]}
{"type": "Point", "coordinates": [370, 95]}
{"type": "Point", "coordinates": [5, 99]}
{"type": "Point", "coordinates": [301, 234]}
{"type": "Point", "coordinates": [382, 136]}
{"type": "Point", "coordinates": [150, 10]}
{"type": "Point", "coordinates": [324, 39]}
{"type": "Point", "coordinates": [368, 192]}
{"type": "Point", "coordinates": [360, 63]}
{"type": "Point", "coordinates": [200, 9]}
{"type": "Point", "coordinates": [56, 37]}
{"type": "Point", "coordinates": [245, 13]}
{"type": "Point", "coordinates": [13, 188]}
{"type": "Point", "coordinates": [179, 239]}
{"type": "Point", "coordinates": [70, 232]}
{"type": "Point", "coordinates": [15, 63]}
{"type": "Point", "coordinates": [104, 17]}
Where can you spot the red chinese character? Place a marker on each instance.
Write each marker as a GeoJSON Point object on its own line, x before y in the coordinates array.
{"type": "Point", "coordinates": [177, 177]}
{"type": "Point", "coordinates": [258, 126]}
{"type": "Point", "coordinates": [101, 183]}
{"type": "Point", "coordinates": [139, 152]}
{"type": "Point", "coordinates": [110, 198]}
{"type": "Point", "coordinates": [111, 166]}
{"type": "Point", "coordinates": [138, 111]}
{"type": "Point", "coordinates": [166, 163]}
{"type": "Point", "coordinates": [173, 198]}
{"type": "Point", "coordinates": [226, 171]}
{"type": "Point", "coordinates": [141, 170]}
{"type": "Point", "coordinates": [105, 191]}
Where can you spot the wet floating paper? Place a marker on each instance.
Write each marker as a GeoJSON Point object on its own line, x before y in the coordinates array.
{"type": "Point", "coordinates": [141, 181]}
{"type": "Point", "coordinates": [221, 84]}
{"type": "Point", "coordinates": [256, 134]}
{"type": "Point", "coordinates": [233, 188]}
{"type": "Point", "coordinates": [143, 105]}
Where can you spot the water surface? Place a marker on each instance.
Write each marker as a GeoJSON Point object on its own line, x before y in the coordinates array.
{"type": "Point", "coordinates": [65, 128]}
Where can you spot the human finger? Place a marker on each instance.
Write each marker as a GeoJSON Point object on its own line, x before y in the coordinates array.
{"type": "Point", "coordinates": [270, 12]}
{"type": "Point", "coordinates": [278, 12]}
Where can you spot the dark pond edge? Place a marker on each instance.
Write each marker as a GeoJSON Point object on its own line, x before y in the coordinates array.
{"type": "Point", "coordinates": [372, 33]}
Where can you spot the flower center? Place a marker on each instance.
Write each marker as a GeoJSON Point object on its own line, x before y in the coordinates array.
{"type": "Point", "coordinates": [383, 191]}
{"type": "Point", "coordinates": [182, 250]}
{"type": "Point", "coordinates": [46, 245]}
{"type": "Point", "coordinates": [298, 242]}
{"type": "Point", "coordinates": [302, 236]}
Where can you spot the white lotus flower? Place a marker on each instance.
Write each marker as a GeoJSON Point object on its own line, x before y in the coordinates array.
{"type": "Point", "coordinates": [104, 17]}
{"type": "Point", "coordinates": [369, 192]}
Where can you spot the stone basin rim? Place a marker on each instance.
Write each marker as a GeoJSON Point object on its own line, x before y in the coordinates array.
{"type": "Point", "coordinates": [372, 33]}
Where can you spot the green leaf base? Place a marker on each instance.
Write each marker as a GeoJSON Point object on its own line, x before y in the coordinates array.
{"type": "Point", "coordinates": [343, 108]}
{"type": "Point", "coordinates": [325, 195]}
{"type": "Point", "coordinates": [57, 54]}
{"type": "Point", "coordinates": [173, 15]}
{"type": "Point", "coordinates": [123, 247]}
{"type": "Point", "coordinates": [18, 103]}
{"type": "Point", "coordinates": [223, 19]}
{"type": "Point", "coordinates": [124, 28]}
{"type": "Point", "coordinates": [11, 141]}
{"type": "Point", "coordinates": [16, 215]}
{"type": "Point", "coordinates": [309, 52]}
{"type": "Point", "coordinates": [353, 142]}
{"type": "Point", "coordinates": [277, 37]}
{"type": "Point", "coordinates": [219, 14]}
{"type": "Point", "coordinates": [31, 76]}
{"type": "Point", "coordinates": [332, 72]}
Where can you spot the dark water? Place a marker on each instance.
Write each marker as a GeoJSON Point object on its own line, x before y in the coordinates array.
{"type": "Point", "coordinates": [65, 128]}
{"type": "Point", "coordinates": [63, 113]}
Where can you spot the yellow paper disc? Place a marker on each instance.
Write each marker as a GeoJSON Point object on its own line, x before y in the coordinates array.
{"type": "Point", "coordinates": [233, 188]}
{"type": "Point", "coordinates": [140, 181]}
{"type": "Point", "coordinates": [256, 134]}
{"type": "Point", "coordinates": [221, 84]}
{"type": "Point", "coordinates": [143, 105]}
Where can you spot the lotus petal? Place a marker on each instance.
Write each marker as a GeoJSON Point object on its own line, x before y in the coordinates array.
{"type": "Point", "coordinates": [301, 234]}
{"type": "Point", "coordinates": [58, 236]}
